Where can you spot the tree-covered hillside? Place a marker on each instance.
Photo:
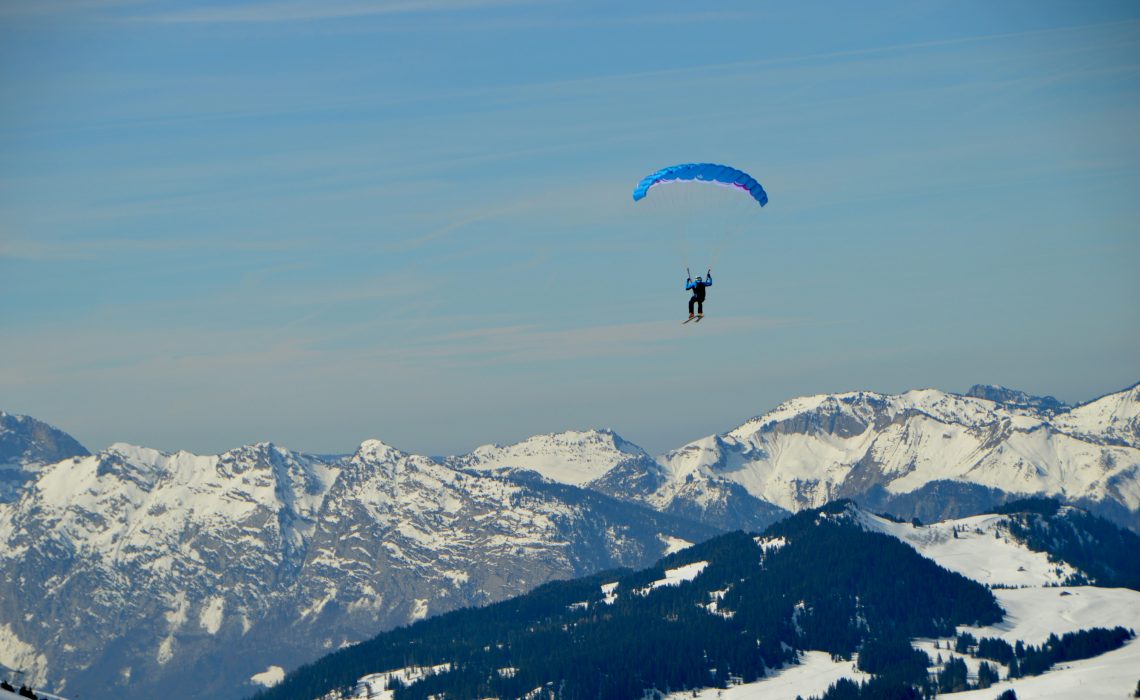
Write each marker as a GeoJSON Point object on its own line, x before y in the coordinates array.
{"type": "Point", "coordinates": [813, 581]}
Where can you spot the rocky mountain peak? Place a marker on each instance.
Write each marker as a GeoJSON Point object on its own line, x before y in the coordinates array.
{"type": "Point", "coordinates": [377, 451]}
{"type": "Point", "coordinates": [1014, 397]}
{"type": "Point", "coordinates": [26, 446]}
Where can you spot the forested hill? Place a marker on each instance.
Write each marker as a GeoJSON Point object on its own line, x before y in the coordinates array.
{"type": "Point", "coordinates": [731, 608]}
{"type": "Point", "coordinates": [1107, 554]}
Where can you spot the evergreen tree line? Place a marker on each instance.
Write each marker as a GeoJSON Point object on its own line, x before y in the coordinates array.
{"type": "Point", "coordinates": [1025, 660]}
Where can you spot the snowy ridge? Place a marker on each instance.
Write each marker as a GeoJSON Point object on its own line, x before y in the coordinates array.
{"type": "Point", "coordinates": [149, 491]}
{"type": "Point", "coordinates": [1114, 418]}
{"type": "Point", "coordinates": [811, 450]}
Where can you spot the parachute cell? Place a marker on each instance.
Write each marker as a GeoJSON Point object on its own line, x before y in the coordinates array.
{"type": "Point", "coordinates": [703, 172]}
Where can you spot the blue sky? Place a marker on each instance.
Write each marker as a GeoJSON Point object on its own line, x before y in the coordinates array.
{"type": "Point", "coordinates": [319, 222]}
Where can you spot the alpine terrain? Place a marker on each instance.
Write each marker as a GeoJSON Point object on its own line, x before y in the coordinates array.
{"type": "Point", "coordinates": [133, 571]}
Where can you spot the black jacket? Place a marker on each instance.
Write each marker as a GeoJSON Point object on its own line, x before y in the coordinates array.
{"type": "Point", "coordinates": [698, 286]}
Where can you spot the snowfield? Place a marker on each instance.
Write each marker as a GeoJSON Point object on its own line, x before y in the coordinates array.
{"type": "Point", "coordinates": [981, 551]}
{"type": "Point", "coordinates": [1035, 613]}
{"type": "Point", "coordinates": [812, 676]}
{"type": "Point", "coordinates": [269, 677]}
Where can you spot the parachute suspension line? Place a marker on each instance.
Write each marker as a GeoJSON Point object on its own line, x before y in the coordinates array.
{"type": "Point", "coordinates": [681, 245]}
{"type": "Point", "coordinates": [727, 237]}
{"type": "Point", "coordinates": [683, 195]}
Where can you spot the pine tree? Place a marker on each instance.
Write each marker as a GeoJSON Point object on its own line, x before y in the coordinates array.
{"type": "Point", "coordinates": [987, 675]}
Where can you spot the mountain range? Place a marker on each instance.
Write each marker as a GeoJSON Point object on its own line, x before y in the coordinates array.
{"type": "Point", "coordinates": [924, 453]}
{"type": "Point", "coordinates": [134, 571]}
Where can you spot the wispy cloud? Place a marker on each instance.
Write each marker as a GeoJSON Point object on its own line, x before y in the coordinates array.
{"type": "Point", "coordinates": [42, 8]}
{"type": "Point", "coordinates": [306, 10]}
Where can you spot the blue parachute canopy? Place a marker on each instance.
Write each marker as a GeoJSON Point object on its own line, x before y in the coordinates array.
{"type": "Point", "coordinates": [703, 172]}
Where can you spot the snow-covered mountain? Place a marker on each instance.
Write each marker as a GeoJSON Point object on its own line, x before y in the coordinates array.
{"type": "Point", "coordinates": [966, 452]}
{"type": "Point", "coordinates": [923, 453]}
{"type": "Point", "coordinates": [130, 571]}
{"type": "Point", "coordinates": [572, 457]}
{"type": "Point", "coordinates": [259, 558]}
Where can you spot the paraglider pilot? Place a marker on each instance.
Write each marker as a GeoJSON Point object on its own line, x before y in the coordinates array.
{"type": "Point", "coordinates": [698, 286]}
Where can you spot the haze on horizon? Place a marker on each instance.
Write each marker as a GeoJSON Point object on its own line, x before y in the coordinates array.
{"type": "Point", "coordinates": [320, 222]}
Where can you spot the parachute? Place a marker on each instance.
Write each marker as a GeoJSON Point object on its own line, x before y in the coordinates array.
{"type": "Point", "coordinates": [703, 172]}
